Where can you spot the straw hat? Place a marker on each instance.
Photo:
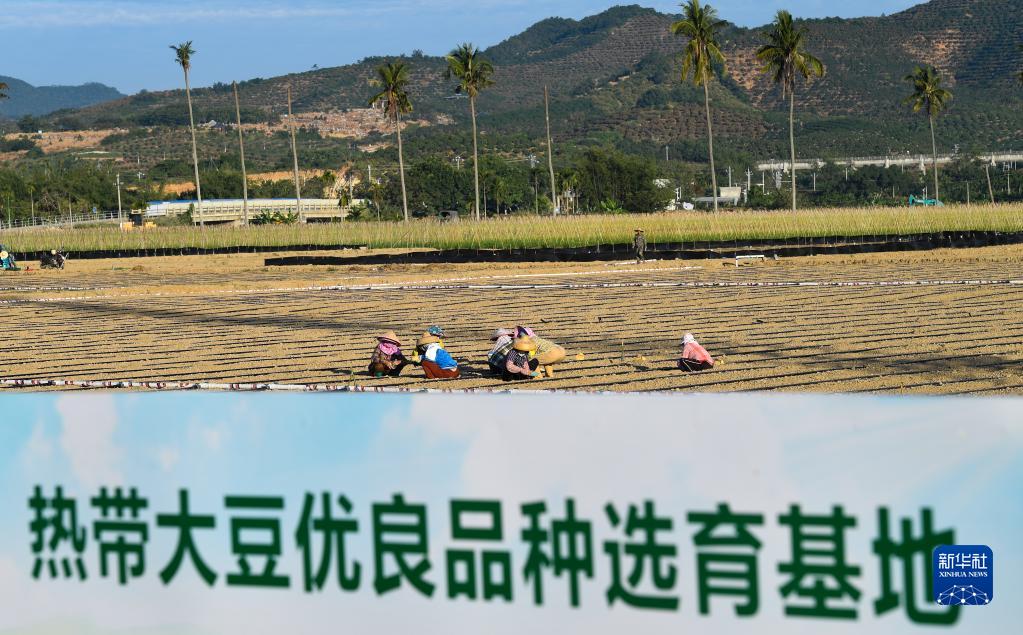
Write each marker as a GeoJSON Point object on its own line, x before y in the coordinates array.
{"type": "Point", "coordinates": [426, 339]}
{"type": "Point", "coordinates": [3, 255]}
{"type": "Point", "coordinates": [53, 252]}
{"type": "Point", "coordinates": [524, 344]}
{"type": "Point", "coordinates": [389, 336]}
{"type": "Point", "coordinates": [638, 230]}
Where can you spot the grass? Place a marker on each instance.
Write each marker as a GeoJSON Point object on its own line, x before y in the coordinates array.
{"type": "Point", "coordinates": [535, 231]}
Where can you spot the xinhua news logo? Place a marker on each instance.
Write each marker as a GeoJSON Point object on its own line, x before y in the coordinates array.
{"type": "Point", "coordinates": [963, 575]}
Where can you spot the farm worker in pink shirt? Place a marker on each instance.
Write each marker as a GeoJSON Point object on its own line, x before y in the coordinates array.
{"type": "Point", "coordinates": [694, 357]}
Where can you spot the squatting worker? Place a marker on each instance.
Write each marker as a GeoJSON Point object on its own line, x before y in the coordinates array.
{"type": "Point", "coordinates": [639, 245]}
{"type": "Point", "coordinates": [694, 357]}
{"type": "Point", "coordinates": [437, 363]}
{"type": "Point", "coordinates": [387, 356]}
{"type": "Point", "coordinates": [521, 362]}
{"type": "Point", "coordinates": [502, 343]}
{"type": "Point", "coordinates": [547, 352]}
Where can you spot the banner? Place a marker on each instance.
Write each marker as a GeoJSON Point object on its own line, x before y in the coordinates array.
{"type": "Point", "coordinates": [186, 513]}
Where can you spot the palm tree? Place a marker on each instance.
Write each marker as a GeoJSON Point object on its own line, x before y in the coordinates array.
{"type": "Point", "coordinates": [928, 96]}
{"type": "Point", "coordinates": [473, 74]}
{"type": "Point", "coordinates": [393, 79]}
{"type": "Point", "coordinates": [784, 55]}
{"type": "Point", "coordinates": [183, 54]}
{"type": "Point", "coordinates": [701, 25]}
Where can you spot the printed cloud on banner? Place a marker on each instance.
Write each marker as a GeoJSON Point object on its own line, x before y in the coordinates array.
{"type": "Point", "coordinates": [88, 425]}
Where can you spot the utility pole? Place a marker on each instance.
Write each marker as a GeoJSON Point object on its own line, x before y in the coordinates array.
{"type": "Point", "coordinates": [990, 190]}
{"type": "Point", "coordinates": [32, 202]}
{"type": "Point", "coordinates": [550, 149]}
{"type": "Point", "coordinates": [967, 193]}
{"type": "Point", "coordinates": [729, 176]}
{"type": "Point", "coordinates": [241, 149]}
{"type": "Point", "coordinates": [120, 214]}
{"type": "Point", "coordinates": [666, 159]}
{"type": "Point", "coordinates": [294, 155]}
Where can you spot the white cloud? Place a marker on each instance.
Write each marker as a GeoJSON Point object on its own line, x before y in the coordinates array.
{"type": "Point", "coordinates": [87, 438]}
{"type": "Point", "coordinates": [39, 447]}
{"type": "Point", "coordinates": [168, 458]}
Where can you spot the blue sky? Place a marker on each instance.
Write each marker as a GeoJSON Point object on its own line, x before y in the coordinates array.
{"type": "Point", "coordinates": [124, 43]}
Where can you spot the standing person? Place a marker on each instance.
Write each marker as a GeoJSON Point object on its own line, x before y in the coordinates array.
{"type": "Point", "coordinates": [437, 363]}
{"type": "Point", "coordinates": [520, 363]}
{"type": "Point", "coordinates": [387, 356]}
{"type": "Point", "coordinates": [502, 339]}
{"type": "Point", "coordinates": [694, 357]}
{"type": "Point", "coordinates": [639, 245]}
{"type": "Point", "coordinates": [547, 352]}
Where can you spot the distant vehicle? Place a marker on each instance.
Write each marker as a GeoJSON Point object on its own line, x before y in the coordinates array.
{"type": "Point", "coordinates": [928, 202]}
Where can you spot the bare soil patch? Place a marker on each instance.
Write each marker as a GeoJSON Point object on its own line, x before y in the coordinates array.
{"type": "Point", "coordinates": [228, 319]}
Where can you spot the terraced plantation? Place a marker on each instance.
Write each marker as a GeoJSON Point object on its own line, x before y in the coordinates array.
{"type": "Point", "coordinates": [937, 322]}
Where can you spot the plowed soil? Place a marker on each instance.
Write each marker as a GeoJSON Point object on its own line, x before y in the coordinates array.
{"type": "Point", "coordinates": [876, 323]}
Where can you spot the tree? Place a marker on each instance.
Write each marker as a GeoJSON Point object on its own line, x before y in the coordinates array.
{"type": "Point", "coordinates": [3, 90]}
{"type": "Point", "coordinates": [393, 79]}
{"type": "Point", "coordinates": [183, 54]}
{"type": "Point", "coordinates": [701, 25]}
{"type": "Point", "coordinates": [1019, 75]}
{"type": "Point", "coordinates": [928, 97]}
{"type": "Point", "coordinates": [473, 74]}
{"type": "Point", "coordinates": [784, 55]}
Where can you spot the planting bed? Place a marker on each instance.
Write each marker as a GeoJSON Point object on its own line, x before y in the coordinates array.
{"type": "Point", "coordinates": [879, 322]}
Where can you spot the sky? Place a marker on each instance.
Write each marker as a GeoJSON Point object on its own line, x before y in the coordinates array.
{"type": "Point", "coordinates": [124, 43]}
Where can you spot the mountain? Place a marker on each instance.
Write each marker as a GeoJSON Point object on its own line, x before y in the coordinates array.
{"type": "Point", "coordinates": [614, 78]}
{"type": "Point", "coordinates": [26, 99]}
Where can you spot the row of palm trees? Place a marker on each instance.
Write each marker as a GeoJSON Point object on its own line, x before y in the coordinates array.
{"type": "Point", "coordinates": [785, 58]}
{"type": "Point", "coordinates": [473, 72]}
{"type": "Point", "coordinates": [783, 54]}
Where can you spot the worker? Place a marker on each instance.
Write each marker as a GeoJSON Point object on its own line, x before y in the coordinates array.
{"type": "Point", "coordinates": [387, 360]}
{"type": "Point", "coordinates": [502, 343]}
{"type": "Point", "coordinates": [7, 261]}
{"type": "Point", "coordinates": [547, 352]}
{"type": "Point", "coordinates": [437, 363]}
{"type": "Point", "coordinates": [521, 362]}
{"type": "Point", "coordinates": [694, 357]}
{"type": "Point", "coordinates": [639, 245]}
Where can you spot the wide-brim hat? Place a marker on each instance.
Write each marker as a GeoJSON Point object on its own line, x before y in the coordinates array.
{"type": "Point", "coordinates": [639, 230]}
{"type": "Point", "coordinates": [426, 339]}
{"type": "Point", "coordinates": [524, 344]}
{"type": "Point", "coordinates": [389, 336]}
{"type": "Point", "coordinates": [3, 255]}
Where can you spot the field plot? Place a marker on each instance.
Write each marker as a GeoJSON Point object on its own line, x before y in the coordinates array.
{"type": "Point", "coordinates": [810, 324]}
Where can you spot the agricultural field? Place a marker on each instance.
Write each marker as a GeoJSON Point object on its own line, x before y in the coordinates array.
{"type": "Point", "coordinates": [936, 322]}
{"type": "Point", "coordinates": [542, 231]}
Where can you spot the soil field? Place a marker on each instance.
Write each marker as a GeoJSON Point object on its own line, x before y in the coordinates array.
{"type": "Point", "coordinates": [936, 322]}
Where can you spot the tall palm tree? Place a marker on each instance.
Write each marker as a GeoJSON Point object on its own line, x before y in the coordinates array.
{"type": "Point", "coordinates": [393, 80]}
{"type": "Point", "coordinates": [474, 74]}
{"type": "Point", "coordinates": [929, 97]}
{"type": "Point", "coordinates": [784, 55]}
{"type": "Point", "coordinates": [700, 24]}
{"type": "Point", "coordinates": [183, 55]}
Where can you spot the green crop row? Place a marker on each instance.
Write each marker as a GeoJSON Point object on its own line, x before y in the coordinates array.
{"type": "Point", "coordinates": [539, 232]}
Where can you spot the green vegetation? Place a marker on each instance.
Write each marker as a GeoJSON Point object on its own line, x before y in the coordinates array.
{"type": "Point", "coordinates": [474, 74]}
{"type": "Point", "coordinates": [541, 231]}
{"type": "Point", "coordinates": [784, 57]}
{"type": "Point", "coordinates": [930, 98]}
{"type": "Point", "coordinates": [393, 80]}
{"type": "Point", "coordinates": [183, 56]}
{"type": "Point", "coordinates": [700, 24]}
